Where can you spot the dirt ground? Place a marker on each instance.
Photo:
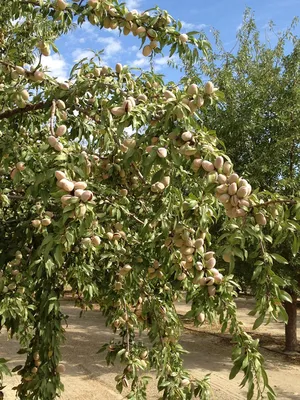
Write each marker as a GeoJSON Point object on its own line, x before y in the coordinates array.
{"type": "Point", "coordinates": [87, 376]}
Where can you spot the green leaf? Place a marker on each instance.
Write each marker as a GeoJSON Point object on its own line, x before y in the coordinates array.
{"type": "Point", "coordinates": [17, 368]}
{"type": "Point", "coordinates": [295, 246]}
{"type": "Point", "coordinates": [157, 176]}
{"type": "Point", "coordinates": [250, 392]}
{"type": "Point", "coordinates": [256, 272]}
{"type": "Point", "coordinates": [279, 258]}
{"type": "Point", "coordinates": [258, 321]}
{"type": "Point", "coordinates": [284, 296]}
{"type": "Point", "coordinates": [235, 370]}
{"type": "Point", "coordinates": [58, 254]}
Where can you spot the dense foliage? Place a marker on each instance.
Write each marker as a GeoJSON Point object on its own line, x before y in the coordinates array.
{"type": "Point", "coordinates": [259, 124]}
{"type": "Point", "coordinates": [111, 184]}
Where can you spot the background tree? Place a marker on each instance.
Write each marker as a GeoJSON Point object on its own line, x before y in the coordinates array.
{"type": "Point", "coordinates": [122, 218]}
{"type": "Point", "coordinates": [259, 125]}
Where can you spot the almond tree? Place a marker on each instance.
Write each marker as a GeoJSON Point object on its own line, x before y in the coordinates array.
{"type": "Point", "coordinates": [121, 215]}
{"type": "Point", "coordinates": [259, 124]}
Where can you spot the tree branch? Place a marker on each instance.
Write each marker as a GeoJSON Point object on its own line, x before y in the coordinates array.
{"type": "Point", "coordinates": [33, 3]}
{"type": "Point", "coordinates": [15, 197]}
{"type": "Point", "coordinates": [28, 108]}
{"type": "Point", "coordinates": [267, 203]}
{"type": "Point", "coordinates": [139, 173]}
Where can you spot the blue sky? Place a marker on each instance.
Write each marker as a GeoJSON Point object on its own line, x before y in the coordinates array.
{"type": "Point", "coordinates": [223, 15]}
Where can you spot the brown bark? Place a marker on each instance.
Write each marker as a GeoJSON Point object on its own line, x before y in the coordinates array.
{"type": "Point", "coordinates": [291, 343]}
{"type": "Point", "coordinates": [28, 108]}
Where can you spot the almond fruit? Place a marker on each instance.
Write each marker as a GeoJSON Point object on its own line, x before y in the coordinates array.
{"type": "Point", "coordinates": [87, 195]}
{"type": "Point", "coordinates": [80, 185]}
{"type": "Point", "coordinates": [118, 111]}
{"type": "Point", "coordinates": [67, 185]}
{"type": "Point", "coordinates": [61, 130]}
{"type": "Point", "coordinates": [207, 166]}
{"type": "Point", "coordinates": [183, 38]}
{"type": "Point", "coordinates": [59, 175]}
{"type": "Point", "coordinates": [192, 89]}
{"type": "Point", "coordinates": [219, 162]}
{"type": "Point", "coordinates": [209, 88]}
{"type": "Point", "coordinates": [96, 240]}
{"type": "Point", "coordinates": [187, 136]}
{"type": "Point", "coordinates": [162, 152]}
{"type": "Point", "coordinates": [147, 51]}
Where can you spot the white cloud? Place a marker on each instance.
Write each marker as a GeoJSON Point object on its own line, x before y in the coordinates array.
{"type": "Point", "coordinates": [56, 65]}
{"type": "Point", "coordinates": [160, 63]}
{"type": "Point", "coordinates": [113, 47]}
{"type": "Point", "coordinates": [133, 4]}
{"type": "Point", "coordinates": [239, 26]}
{"type": "Point", "coordinates": [189, 26]}
{"type": "Point", "coordinates": [140, 62]}
{"type": "Point", "coordinates": [88, 27]}
{"type": "Point", "coordinates": [78, 54]}
{"type": "Point", "coordinates": [81, 40]}
{"type": "Point", "coordinates": [115, 32]}
{"type": "Point", "coordinates": [133, 48]}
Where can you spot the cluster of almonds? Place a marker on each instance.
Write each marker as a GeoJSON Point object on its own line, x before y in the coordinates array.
{"type": "Point", "coordinates": [14, 271]}
{"type": "Point", "coordinates": [132, 24]}
{"type": "Point", "coordinates": [112, 236]}
{"type": "Point", "coordinates": [159, 187]}
{"type": "Point", "coordinates": [127, 107]}
{"type": "Point", "coordinates": [55, 143]}
{"type": "Point", "coordinates": [211, 274]}
{"type": "Point", "coordinates": [20, 166]}
{"type": "Point", "coordinates": [15, 263]}
{"type": "Point", "coordinates": [188, 247]}
{"type": "Point", "coordinates": [21, 98]}
{"type": "Point", "coordinates": [194, 99]}
{"type": "Point", "coordinates": [45, 220]}
{"type": "Point", "coordinates": [34, 75]}
{"type": "Point", "coordinates": [89, 241]}
{"type": "Point", "coordinates": [37, 362]}
{"type": "Point", "coordinates": [232, 191]}
{"type": "Point", "coordinates": [154, 271]}
{"type": "Point", "coordinates": [61, 129]}
{"type": "Point", "coordinates": [127, 144]}
{"type": "Point", "coordinates": [117, 233]}
{"type": "Point", "coordinates": [77, 188]}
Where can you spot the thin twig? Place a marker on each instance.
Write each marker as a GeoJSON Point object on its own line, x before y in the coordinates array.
{"type": "Point", "coordinates": [267, 203]}
{"type": "Point", "coordinates": [53, 108]}
{"type": "Point", "coordinates": [127, 330]}
{"type": "Point", "coordinates": [7, 64]}
{"type": "Point", "coordinates": [127, 212]}
{"type": "Point", "coordinates": [38, 64]}
{"type": "Point", "coordinates": [139, 173]}
{"type": "Point", "coordinates": [15, 197]}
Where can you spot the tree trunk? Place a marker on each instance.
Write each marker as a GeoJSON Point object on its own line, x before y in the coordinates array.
{"type": "Point", "coordinates": [291, 344]}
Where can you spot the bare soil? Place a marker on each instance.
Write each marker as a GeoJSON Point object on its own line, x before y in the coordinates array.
{"type": "Point", "coordinates": [87, 376]}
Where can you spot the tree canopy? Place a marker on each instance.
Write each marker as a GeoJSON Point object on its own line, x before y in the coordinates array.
{"type": "Point", "coordinates": [110, 183]}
